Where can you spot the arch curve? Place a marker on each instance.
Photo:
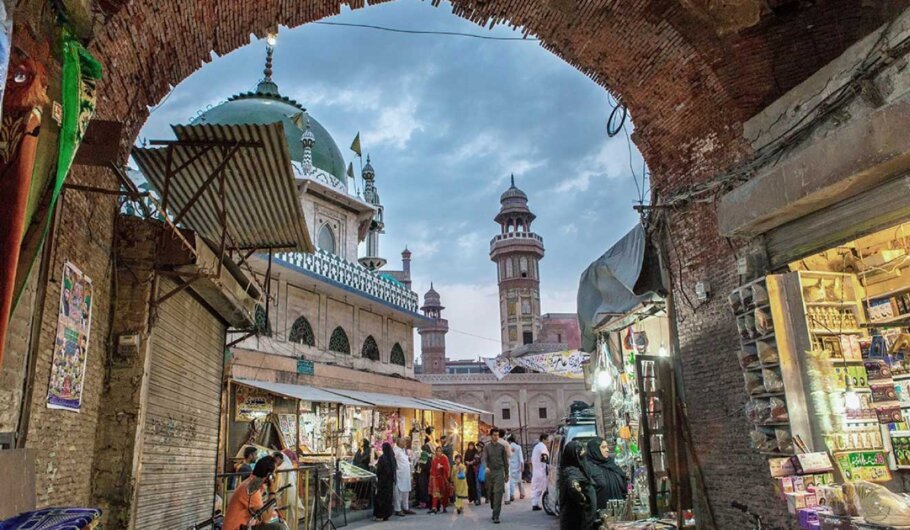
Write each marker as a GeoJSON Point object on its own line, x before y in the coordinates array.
{"type": "Point", "coordinates": [370, 349]}
{"type": "Point", "coordinates": [339, 342]}
{"type": "Point", "coordinates": [397, 355]}
{"type": "Point", "coordinates": [302, 332]}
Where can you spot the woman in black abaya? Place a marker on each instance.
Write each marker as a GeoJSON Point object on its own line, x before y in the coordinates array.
{"type": "Point", "coordinates": [383, 504]}
{"type": "Point", "coordinates": [609, 479]}
{"type": "Point", "coordinates": [577, 498]}
{"type": "Point", "coordinates": [469, 456]}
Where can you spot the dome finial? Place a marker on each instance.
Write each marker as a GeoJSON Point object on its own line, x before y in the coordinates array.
{"type": "Point", "coordinates": [513, 180]}
{"type": "Point", "coordinates": [267, 86]}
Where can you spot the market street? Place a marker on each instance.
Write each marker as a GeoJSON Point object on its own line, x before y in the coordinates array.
{"type": "Point", "coordinates": [515, 515]}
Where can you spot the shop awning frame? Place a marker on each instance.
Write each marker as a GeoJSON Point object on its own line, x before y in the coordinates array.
{"type": "Point", "coordinates": [451, 406]}
{"type": "Point", "coordinates": [302, 392]}
{"type": "Point", "coordinates": [376, 399]}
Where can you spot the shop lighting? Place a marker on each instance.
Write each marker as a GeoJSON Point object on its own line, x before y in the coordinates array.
{"type": "Point", "coordinates": [662, 352]}
{"type": "Point", "coordinates": [604, 380]}
{"type": "Point", "coordinates": [851, 398]}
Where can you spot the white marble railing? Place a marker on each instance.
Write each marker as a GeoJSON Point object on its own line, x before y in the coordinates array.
{"type": "Point", "coordinates": [515, 235]}
{"type": "Point", "coordinates": [354, 276]}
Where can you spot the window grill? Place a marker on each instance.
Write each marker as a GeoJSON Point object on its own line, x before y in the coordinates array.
{"type": "Point", "coordinates": [370, 349]}
{"type": "Point", "coordinates": [397, 356]}
{"type": "Point", "coordinates": [302, 332]}
{"type": "Point", "coordinates": [338, 343]}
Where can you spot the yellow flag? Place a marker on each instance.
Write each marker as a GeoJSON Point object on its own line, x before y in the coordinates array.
{"type": "Point", "coordinates": [299, 120]}
{"type": "Point", "coordinates": [351, 169]}
{"type": "Point", "coordinates": [355, 145]}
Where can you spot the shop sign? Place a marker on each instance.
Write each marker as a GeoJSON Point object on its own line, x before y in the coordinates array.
{"type": "Point", "coordinates": [863, 465]}
{"type": "Point", "coordinates": [305, 367]}
{"type": "Point", "coordinates": [251, 404]}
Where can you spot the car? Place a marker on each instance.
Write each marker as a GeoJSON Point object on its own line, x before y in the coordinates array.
{"type": "Point", "coordinates": [581, 427]}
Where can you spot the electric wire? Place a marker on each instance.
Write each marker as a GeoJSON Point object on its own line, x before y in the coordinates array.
{"type": "Point", "coordinates": [425, 32]}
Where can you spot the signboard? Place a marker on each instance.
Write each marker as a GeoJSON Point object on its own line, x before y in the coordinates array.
{"type": "Point", "coordinates": [863, 465]}
{"type": "Point", "coordinates": [305, 367]}
{"type": "Point", "coordinates": [74, 322]}
{"type": "Point", "coordinates": [251, 403]}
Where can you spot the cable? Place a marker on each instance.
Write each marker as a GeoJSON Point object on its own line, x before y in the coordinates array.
{"type": "Point", "coordinates": [639, 189]}
{"type": "Point", "coordinates": [424, 32]}
{"type": "Point", "coordinates": [497, 341]}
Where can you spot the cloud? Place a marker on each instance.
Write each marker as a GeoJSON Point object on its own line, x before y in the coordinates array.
{"type": "Point", "coordinates": [609, 162]}
{"type": "Point", "coordinates": [569, 229]}
{"type": "Point", "coordinates": [395, 124]}
{"type": "Point", "coordinates": [472, 310]}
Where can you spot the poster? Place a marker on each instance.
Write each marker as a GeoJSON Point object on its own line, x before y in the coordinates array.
{"type": "Point", "coordinates": [251, 404]}
{"type": "Point", "coordinates": [564, 364]}
{"type": "Point", "coordinates": [287, 423]}
{"type": "Point", "coordinates": [74, 322]}
{"type": "Point", "coordinates": [500, 366]}
{"type": "Point", "coordinates": [863, 465]}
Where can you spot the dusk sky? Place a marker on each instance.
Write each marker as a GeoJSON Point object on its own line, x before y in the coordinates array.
{"type": "Point", "coordinates": [446, 119]}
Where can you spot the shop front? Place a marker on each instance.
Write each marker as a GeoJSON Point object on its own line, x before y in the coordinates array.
{"type": "Point", "coordinates": [632, 371]}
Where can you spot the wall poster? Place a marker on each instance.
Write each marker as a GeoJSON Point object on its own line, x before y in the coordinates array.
{"type": "Point", "coordinates": [74, 322]}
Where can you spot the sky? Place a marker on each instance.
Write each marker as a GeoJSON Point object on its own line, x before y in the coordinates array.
{"type": "Point", "coordinates": [446, 120]}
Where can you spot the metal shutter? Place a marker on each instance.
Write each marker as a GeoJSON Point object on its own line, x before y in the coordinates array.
{"type": "Point", "coordinates": [868, 212]}
{"type": "Point", "coordinates": [180, 438]}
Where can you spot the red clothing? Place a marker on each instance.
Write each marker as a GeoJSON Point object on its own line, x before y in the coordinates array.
{"type": "Point", "coordinates": [439, 480]}
{"type": "Point", "coordinates": [238, 508]}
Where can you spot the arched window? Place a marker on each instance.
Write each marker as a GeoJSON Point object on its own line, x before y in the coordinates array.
{"type": "Point", "coordinates": [397, 356]}
{"type": "Point", "coordinates": [338, 343]}
{"type": "Point", "coordinates": [326, 239]}
{"type": "Point", "coordinates": [508, 267]}
{"type": "Point", "coordinates": [524, 267]}
{"type": "Point", "coordinates": [302, 332]}
{"type": "Point", "coordinates": [263, 327]}
{"type": "Point", "coordinates": [370, 350]}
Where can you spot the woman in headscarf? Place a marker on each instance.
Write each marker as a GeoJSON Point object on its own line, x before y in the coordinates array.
{"type": "Point", "coordinates": [481, 491]}
{"type": "Point", "coordinates": [440, 473]}
{"type": "Point", "coordinates": [609, 479]}
{"type": "Point", "coordinates": [362, 456]}
{"type": "Point", "coordinates": [386, 468]}
{"type": "Point", "coordinates": [469, 455]}
{"type": "Point", "coordinates": [423, 477]}
{"type": "Point", "coordinates": [577, 498]}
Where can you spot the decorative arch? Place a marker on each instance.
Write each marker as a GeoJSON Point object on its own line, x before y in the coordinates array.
{"type": "Point", "coordinates": [370, 349]}
{"type": "Point", "coordinates": [302, 332]}
{"type": "Point", "coordinates": [326, 240]}
{"type": "Point", "coordinates": [397, 355]}
{"type": "Point", "coordinates": [338, 342]}
{"type": "Point", "coordinates": [263, 326]}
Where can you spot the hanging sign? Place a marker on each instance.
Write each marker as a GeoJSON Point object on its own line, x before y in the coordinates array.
{"type": "Point", "coordinates": [863, 465]}
{"type": "Point", "coordinates": [74, 321]}
{"type": "Point", "coordinates": [500, 366]}
{"type": "Point", "coordinates": [567, 363]}
{"type": "Point", "coordinates": [251, 403]}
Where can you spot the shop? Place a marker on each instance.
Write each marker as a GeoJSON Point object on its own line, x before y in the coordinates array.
{"type": "Point", "coordinates": [824, 354]}
{"type": "Point", "coordinates": [632, 371]}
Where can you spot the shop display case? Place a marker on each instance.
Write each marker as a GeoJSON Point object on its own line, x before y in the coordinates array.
{"type": "Point", "coordinates": [771, 372]}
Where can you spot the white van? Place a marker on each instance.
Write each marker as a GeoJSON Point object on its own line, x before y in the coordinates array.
{"type": "Point", "coordinates": [581, 429]}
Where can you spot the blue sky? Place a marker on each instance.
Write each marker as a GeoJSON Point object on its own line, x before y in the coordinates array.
{"type": "Point", "coordinates": [446, 120]}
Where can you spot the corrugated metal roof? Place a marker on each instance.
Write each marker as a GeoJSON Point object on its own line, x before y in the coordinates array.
{"type": "Point", "coordinates": [302, 392]}
{"type": "Point", "coordinates": [451, 406]}
{"type": "Point", "coordinates": [386, 400]}
{"type": "Point", "coordinates": [263, 210]}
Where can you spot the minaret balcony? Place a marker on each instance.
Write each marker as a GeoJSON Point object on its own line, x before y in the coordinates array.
{"type": "Point", "coordinates": [510, 239]}
{"type": "Point", "coordinates": [353, 276]}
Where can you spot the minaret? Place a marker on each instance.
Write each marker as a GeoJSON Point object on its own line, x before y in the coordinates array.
{"type": "Point", "coordinates": [516, 250]}
{"type": "Point", "coordinates": [406, 266]}
{"type": "Point", "coordinates": [372, 260]}
{"type": "Point", "coordinates": [308, 140]}
{"type": "Point", "coordinates": [433, 334]}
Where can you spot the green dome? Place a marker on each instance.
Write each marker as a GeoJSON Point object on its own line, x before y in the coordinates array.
{"type": "Point", "coordinates": [265, 106]}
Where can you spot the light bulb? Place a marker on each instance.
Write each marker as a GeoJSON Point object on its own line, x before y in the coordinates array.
{"type": "Point", "coordinates": [851, 400]}
{"type": "Point", "coordinates": [272, 39]}
{"type": "Point", "coordinates": [662, 352]}
{"type": "Point", "coordinates": [604, 381]}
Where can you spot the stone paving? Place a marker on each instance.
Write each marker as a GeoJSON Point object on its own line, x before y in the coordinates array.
{"type": "Point", "coordinates": [516, 515]}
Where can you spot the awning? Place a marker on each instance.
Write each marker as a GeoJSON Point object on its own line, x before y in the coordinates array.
{"type": "Point", "coordinates": [391, 401]}
{"type": "Point", "coordinates": [261, 205]}
{"type": "Point", "coordinates": [302, 392]}
{"type": "Point", "coordinates": [625, 276]}
{"type": "Point", "coordinates": [451, 406]}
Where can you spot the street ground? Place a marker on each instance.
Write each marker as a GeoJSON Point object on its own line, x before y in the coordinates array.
{"type": "Point", "coordinates": [516, 515]}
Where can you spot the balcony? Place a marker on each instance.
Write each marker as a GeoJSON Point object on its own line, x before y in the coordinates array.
{"type": "Point", "coordinates": [352, 276]}
{"type": "Point", "coordinates": [516, 236]}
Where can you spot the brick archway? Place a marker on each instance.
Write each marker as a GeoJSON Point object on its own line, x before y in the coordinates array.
{"type": "Point", "coordinates": [690, 72]}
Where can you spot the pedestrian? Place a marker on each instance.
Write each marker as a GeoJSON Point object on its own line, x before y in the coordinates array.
{"type": "Point", "coordinates": [423, 477]}
{"type": "Point", "coordinates": [469, 455]}
{"type": "Point", "coordinates": [448, 449]}
{"type": "Point", "coordinates": [440, 473]}
{"type": "Point", "coordinates": [247, 499]}
{"type": "Point", "coordinates": [516, 464]}
{"type": "Point", "coordinates": [402, 478]}
{"type": "Point", "coordinates": [481, 476]}
{"type": "Point", "coordinates": [246, 465]}
{"type": "Point", "coordinates": [386, 472]}
{"type": "Point", "coordinates": [460, 482]}
{"type": "Point", "coordinates": [577, 498]}
{"type": "Point", "coordinates": [540, 465]}
{"type": "Point", "coordinates": [362, 456]}
{"type": "Point", "coordinates": [609, 479]}
{"type": "Point", "coordinates": [496, 459]}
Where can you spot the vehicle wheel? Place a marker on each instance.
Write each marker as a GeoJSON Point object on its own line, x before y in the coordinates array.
{"type": "Point", "coordinates": [545, 501]}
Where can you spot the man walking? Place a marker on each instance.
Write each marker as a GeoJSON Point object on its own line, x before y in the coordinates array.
{"type": "Point", "coordinates": [540, 461]}
{"type": "Point", "coordinates": [402, 492]}
{"type": "Point", "coordinates": [496, 460]}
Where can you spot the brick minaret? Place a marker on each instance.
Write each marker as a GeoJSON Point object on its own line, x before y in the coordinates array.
{"type": "Point", "coordinates": [433, 334]}
{"type": "Point", "coordinates": [516, 250]}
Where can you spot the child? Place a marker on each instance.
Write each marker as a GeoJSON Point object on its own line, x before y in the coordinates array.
{"type": "Point", "coordinates": [460, 480]}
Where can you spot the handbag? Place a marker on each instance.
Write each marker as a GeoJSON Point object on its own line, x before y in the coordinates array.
{"type": "Point", "coordinates": [460, 475]}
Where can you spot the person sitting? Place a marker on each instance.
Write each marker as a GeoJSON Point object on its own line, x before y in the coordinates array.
{"type": "Point", "coordinates": [247, 500]}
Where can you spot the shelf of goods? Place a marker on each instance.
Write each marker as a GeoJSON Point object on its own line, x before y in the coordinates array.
{"type": "Point", "coordinates": [771, 376]}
